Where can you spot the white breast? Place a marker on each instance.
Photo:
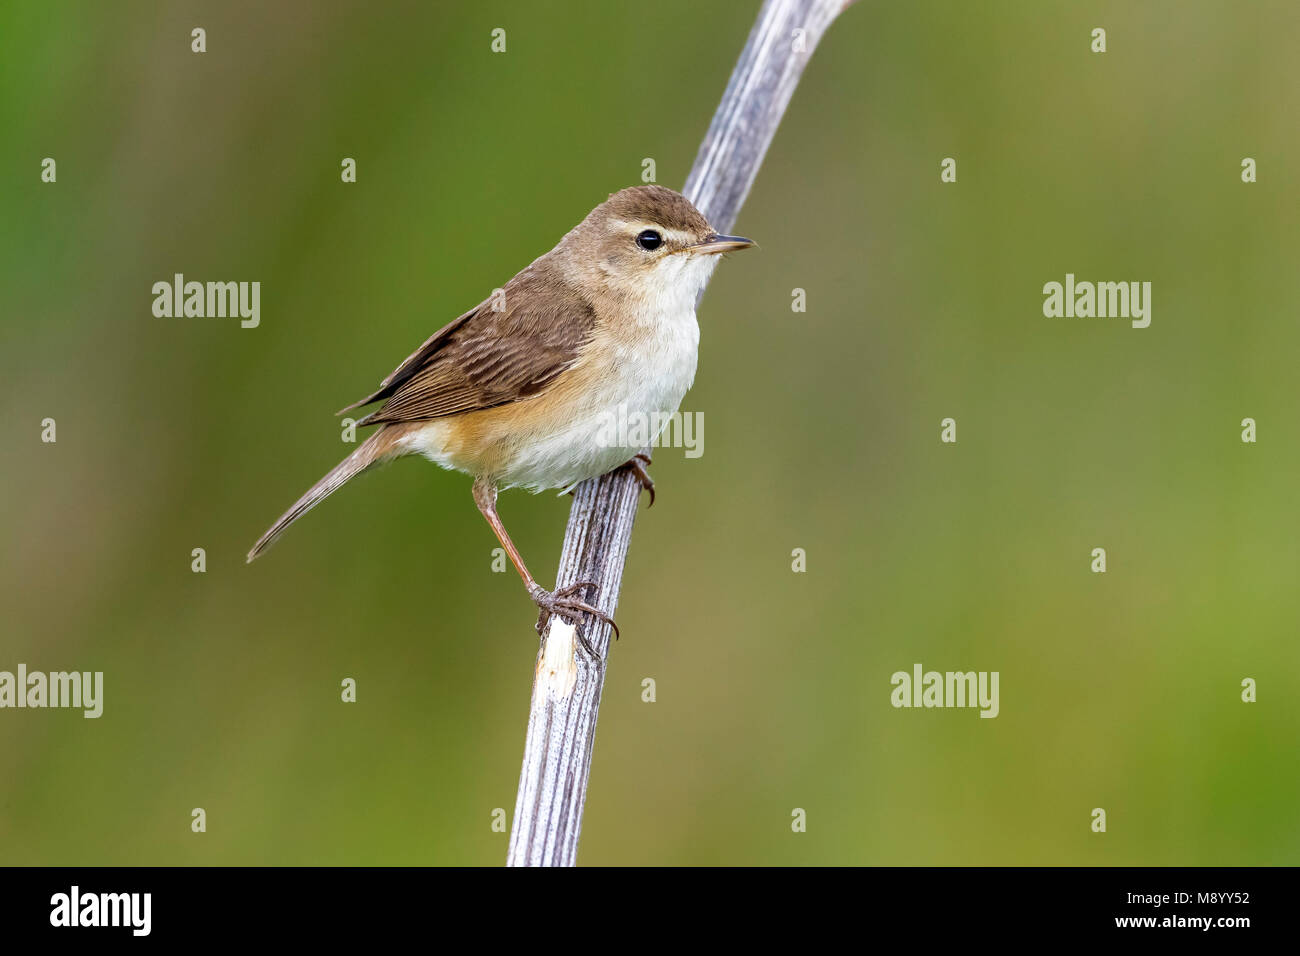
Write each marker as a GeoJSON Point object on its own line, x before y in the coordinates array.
{"type": "Point", "coordinates": [649, 364]}
{"type": "Point", "coordinates": [645, 384]}
{"type": "Point", "coordinates": [636, 370]}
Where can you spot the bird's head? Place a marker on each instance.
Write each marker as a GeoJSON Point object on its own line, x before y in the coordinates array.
{"type": "Point", "coordinates": [648, 241]}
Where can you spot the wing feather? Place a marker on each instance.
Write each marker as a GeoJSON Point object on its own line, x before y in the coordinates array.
{"type": "Point", "coordinates": [489, 356]}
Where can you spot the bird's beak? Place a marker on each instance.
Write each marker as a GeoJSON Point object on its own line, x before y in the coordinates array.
{"type": "Point", "coordinates": [715, 244]}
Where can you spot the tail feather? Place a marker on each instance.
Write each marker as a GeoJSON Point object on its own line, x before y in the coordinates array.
{"type": "Point", "coordinates": [372, 451]}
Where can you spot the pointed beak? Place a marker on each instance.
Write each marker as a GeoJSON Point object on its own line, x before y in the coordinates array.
{"type": "Point", "coordinates": [715, 244]}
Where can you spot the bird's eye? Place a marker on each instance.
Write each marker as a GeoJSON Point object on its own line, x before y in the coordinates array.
{"type": "Point", "coordinates": [649, 240]}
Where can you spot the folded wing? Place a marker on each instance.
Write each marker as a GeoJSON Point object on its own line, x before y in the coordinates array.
{"type": "Point", "coordinates": [505, 349]}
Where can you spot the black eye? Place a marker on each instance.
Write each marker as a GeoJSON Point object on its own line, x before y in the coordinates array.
{"type": "Point", "coordinates": [649, 240]}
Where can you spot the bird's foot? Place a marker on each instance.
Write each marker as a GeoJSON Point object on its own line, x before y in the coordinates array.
{"type": "Point", "coordinates": [564, 602]}
{"type": "Point", "coordinates": [643, 476]}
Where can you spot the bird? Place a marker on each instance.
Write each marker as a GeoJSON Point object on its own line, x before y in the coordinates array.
{"type": "Point", "coordinates": [519, 391]}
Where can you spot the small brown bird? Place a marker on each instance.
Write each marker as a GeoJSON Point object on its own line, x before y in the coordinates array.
{"type": "Point", "coordinates": [520, 391]}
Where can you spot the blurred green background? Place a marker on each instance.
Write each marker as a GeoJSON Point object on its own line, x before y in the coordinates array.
{"type": "Point", "coordinates": [924, 300]}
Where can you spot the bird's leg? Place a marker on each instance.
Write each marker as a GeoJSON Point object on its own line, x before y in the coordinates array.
{"type": "Point", "coordinates": [643, 476]}
{"type": "Point", "coordinates": [561, 601]}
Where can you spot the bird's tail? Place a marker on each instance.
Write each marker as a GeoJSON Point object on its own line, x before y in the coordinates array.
{"type": "Point", "coordinates": [378, 447]}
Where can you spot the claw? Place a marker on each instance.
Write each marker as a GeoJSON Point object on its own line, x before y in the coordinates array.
{"type": "Point", "coordinates": [643, 476]}
{"type": "Point", "coordinates": [562, 602]}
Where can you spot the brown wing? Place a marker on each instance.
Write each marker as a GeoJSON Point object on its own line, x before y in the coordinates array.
{"type": "Point", "coordinates": [485, 357]}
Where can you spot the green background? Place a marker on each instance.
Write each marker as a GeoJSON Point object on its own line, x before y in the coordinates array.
{"type": "Point", "coordinates": [1118, 690]}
